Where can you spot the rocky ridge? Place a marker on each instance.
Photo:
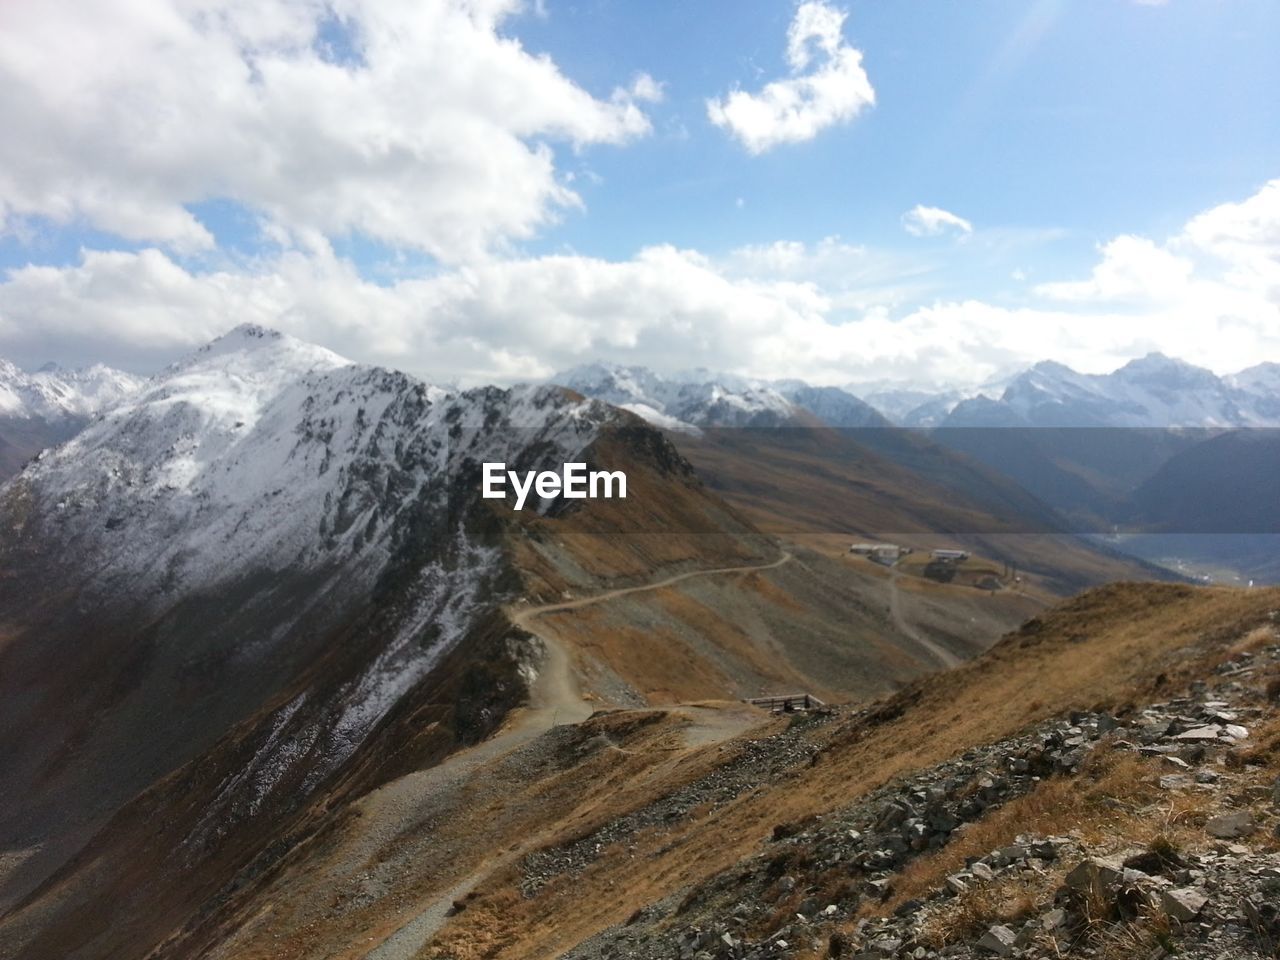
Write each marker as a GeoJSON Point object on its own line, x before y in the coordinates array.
{"type": "Point", "coordinates": [831, 888]}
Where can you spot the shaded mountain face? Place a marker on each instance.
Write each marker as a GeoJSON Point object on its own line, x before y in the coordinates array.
{"type": "Point", "coordinates": [265, 534]}
{"type": "Point", "coordinates": [1223, 485]}
{"type": "Point", "coordinates": [45, 408]}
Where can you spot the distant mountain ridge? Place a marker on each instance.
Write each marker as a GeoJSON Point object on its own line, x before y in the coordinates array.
{"type": "Point", "coordinates": [44, 408]}
{"type": "Point", "coordinates": [1152, 391]}
{"type": "Point", "coordinates": [52, 393]}
{"type": "Point", "coordinates": [693, 400]}
{"type": "Point", "coordinates": [1135, 465]}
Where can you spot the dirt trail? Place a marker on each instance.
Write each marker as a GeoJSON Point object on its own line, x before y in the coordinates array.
{"type": "Point", "coordinates": [521, 617]}
{"type": "Point", "coordinates": [943, 656]}
{"type": "Point", "coordinates": [556, 698]}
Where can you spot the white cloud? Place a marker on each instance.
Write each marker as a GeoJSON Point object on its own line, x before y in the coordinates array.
{"type": "Point", "coordinates": [827, 311]}
{"type": "Point", "coordinates": [647, 89]}
{"type": "Point", "coordinates": [827, 86]}
{"type": "Point", "coordinates": [1244, 237]}
{"type": "Point", "coordinates": [922, 221]}
{"type": "Point", "coordinates": [433, 135]}
{"type": "Point", "coordinates": [1132, 268]}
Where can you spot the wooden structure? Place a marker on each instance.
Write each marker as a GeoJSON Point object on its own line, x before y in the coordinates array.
{"type": "Point", "coordinates": [789, 703]}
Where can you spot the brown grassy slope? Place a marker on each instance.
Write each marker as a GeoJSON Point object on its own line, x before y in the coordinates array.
{"type": "Point", "coordinates": [799, 483]}
{"type": "Point", "coordinates": [1115, 645]}
{"type": "Point", "coordinates": [813, 624]}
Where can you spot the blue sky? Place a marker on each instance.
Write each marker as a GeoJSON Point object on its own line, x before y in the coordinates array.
{"type": "Point", "coordinates": [402, 183]}
{"type": "Point", "coordinates": [1107, 118]}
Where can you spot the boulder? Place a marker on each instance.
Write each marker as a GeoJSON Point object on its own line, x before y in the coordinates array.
{"type": "Point", "coordinates": [998, 941]}
{"type": "Point", "coordinates": [1229, 826]}
{"type": "Point", "coordinates": [1095, 875]}
{"type": "Point", "coordinates": [1184, 904]}
{"type": "Point", "coordinates": [1201, 734]}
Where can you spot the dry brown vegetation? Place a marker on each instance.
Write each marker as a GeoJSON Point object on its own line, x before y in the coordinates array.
{"type": "Point", "coordinates": [1116, 646]}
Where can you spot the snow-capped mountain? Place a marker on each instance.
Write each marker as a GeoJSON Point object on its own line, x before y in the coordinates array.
{"type": "Point", "coordinates": [1153, 391]}
{"type": "Point", "coordinates": [833, 406]}
{"type": "Point", "coordinates": [52, 393]}
{"type": "Point", "coordinates": [681, 404]}
{"type": "Point", "coordinates": [691, 400]}
{"type": "Point", "coordinates": [265, 530]}
{"type": "Point", "coordinates": [41, 409]}
{"type": "Point", "coordinates": [910, 408]}
{"type": "Point", "coordinates": [263, 452]}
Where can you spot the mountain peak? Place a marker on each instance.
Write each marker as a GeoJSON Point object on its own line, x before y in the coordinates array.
{"type": "Point", "coordinates": [259, 353]}
{"type": "Point", "coordinates": [1159, 371]}
{"type": "Point", "coordinates": [1053, 368]}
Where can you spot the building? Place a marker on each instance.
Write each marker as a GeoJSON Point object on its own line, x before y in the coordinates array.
{"type": "Point", "coordinates": [887, 553]}
{"type": "Point", "coordinates": [950, 556]}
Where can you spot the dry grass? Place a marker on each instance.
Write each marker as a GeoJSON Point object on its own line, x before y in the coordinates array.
{"type": "Point", "coordinates": [969, 915]}
{"type": "Point", "coordinates": [1103, 649]}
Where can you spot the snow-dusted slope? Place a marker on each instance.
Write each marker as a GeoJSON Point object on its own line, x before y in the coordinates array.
{"type": "Point", "coordinates": [52, 393]}
{"type": "Point", "coordinates": [685, 402]}
{"type": "Point", "coordinates": [1153, 391]}
{"type": "Point", "coordinates": [261, 452]}
{"type": "Point", "coordinates": [265, 530]}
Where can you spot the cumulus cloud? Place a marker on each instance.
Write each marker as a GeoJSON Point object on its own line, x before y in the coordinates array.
{"type": "Point", "coordinates": [430, 132]}
{"type": "Point", "coordinates": [769, 310]}
{"type": "Point", "coordinates": [922, 221]}
{"type": "Point", "coordinates": [827, 85]}
{"type": "Point", "coordinates": [1131, 268]}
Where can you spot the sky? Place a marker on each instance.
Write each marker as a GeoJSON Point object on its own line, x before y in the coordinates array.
{"type": "Point", "coordinates": [873, 192]}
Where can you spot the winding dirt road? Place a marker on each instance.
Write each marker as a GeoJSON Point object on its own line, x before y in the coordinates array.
{"type": "Point", "coordinates": [556, 698]}
{"type": "Point", "coordinates": [556, 695]}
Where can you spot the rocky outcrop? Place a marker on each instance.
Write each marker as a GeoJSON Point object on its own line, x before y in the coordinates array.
{"type": "Point", "coordinates": [1215, 899]}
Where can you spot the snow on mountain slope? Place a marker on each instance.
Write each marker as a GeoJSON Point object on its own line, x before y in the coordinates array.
{"type": "Point", "coordinates": [695, 399]}
{"type": "Point", "coordinates": [1259, 381]}
{"type": "Point", "coordinates": [834, 406]}
{"type": "Point", "coordinates": [689, 401]}
{"type": "Point", "coordinates": [52, 393]}
{"type": "Point", "coordinates": [1153, 391]}
{"type": "Point", "coordinates": [267, 534]}
{"type": "Point", "coordinates": [261, 452]}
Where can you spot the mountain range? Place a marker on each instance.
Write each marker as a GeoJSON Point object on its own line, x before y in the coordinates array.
{"type": "Point", "coordinates": [1139, 450]}
{"type": "Point", "coordinates": [265, 581]}
{"type": "Point", "coordinates": [277, 681]}
{"type": "Point", "coordinates": [1154, 391]}
{"type": "Point", "coordinates": [48, 406]}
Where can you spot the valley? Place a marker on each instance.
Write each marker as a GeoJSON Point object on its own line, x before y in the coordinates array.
{"type": "Point", "coordinates": [306, 692]}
